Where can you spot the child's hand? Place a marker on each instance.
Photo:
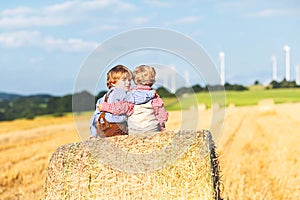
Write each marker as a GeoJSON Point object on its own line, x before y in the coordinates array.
{"type": "Point", "coordinates": [100, 107]}
{"type": "Point", "coordinates": [156, 94]}
{"type": "Point", "coordinates": [91, 137]}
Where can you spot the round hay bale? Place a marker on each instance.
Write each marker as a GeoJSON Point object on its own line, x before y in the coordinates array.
{"type": "Point", "coordinates": [231, 106]}
{"type": "Point", "coordinates": [90, 170]}
{"type": "Point", "coordinates": [266, 106]}
{"type": "Point", "coordinates": [202, 107]}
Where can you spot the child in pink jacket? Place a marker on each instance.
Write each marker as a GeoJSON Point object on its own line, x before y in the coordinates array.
{"type": "Point", "coordinates": [147, 117]}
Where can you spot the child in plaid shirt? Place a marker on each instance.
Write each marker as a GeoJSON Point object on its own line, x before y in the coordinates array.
{"type": "Point", "coordinates": [119, 82]}
{"type": "Point", "coordinates": [150, 116]}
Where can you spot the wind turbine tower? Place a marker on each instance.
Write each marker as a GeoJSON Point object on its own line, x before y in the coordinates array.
{"type": "Point", "coordinates": [187, 78]}
{"type": "Point", "coordinates": [222, 67]}
{"type": "Point", "coordinates": [298, 75]}
{"type": "Point", "coordinates": [274, 61]}
{"type": "Point", "coordinates": [173, 79]}
{"type": "Point", "coordinates": [287, 62]}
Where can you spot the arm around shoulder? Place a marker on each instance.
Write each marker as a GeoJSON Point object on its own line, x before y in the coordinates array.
{"type": "Point", "coordinates": [140, 96]}
{"type": "Point", "coordinates": [117, 108]}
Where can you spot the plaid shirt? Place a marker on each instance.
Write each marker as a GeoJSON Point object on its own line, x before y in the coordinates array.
{"type": "Point", "coordinates": [124, 107]}
{"type": "Point", "coordinates": [116, 95]}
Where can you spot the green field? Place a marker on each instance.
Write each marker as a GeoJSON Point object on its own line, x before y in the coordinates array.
{"type": "Point", "coordinates": [238, 98]}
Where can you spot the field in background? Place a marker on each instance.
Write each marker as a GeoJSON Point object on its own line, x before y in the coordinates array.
{"type": "Point", "coordinates": [237, 98]}
{"type": "Point", "coordinates": [259, 151]}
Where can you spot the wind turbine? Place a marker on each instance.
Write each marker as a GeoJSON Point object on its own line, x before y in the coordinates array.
{"type": "Point", "coordinates": [274, 60]}
{"type": "Point", "coordinates": [222, 67]}
{"type": "Point", "coordinates": [187, 78]}
{"type": "Point", "coordinates": [286, 49]}
{"type": "Point", "coordinates": [173, 79]}
{"type": "Point", "coordinates": [297, 74]}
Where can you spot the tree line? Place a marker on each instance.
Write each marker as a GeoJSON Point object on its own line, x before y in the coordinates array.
{"type": "Point", "coordinates": [16, 106]}
{"type": "Point", "coordinates": [283, 84]}
{"type": "Point", "coordinates": [30, 106]}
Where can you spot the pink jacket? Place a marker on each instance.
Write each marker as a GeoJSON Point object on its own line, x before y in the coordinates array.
{"type": "Point", "coordinates": [123, 107]}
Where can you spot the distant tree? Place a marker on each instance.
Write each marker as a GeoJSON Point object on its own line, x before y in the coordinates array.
{"type": "Point", "coordinates": [100, 94]}
{"type": "Point", "coordinates": [29, 116]}
{"type": "Point", "coordinates": [274, 84]}
{"type": "Point", "coordinates": [216, 87]}
{"type": "Point", "coordinates": [83, 100]}
{"type": "Point", "coordinates": [32, 106]}
{"type": "Point", "coordinates": [163, 92]}
{"type": "Point", "coordinates": [283, 84]}
{"type": "Point", "coordinates": [256, 82]}
{"type": "Point", "coordinates": [198, 88]}
{"type": "Point", "coordinates": [287, 84]}
{"type": "Point", "coordinates": [2, 116]}
{"type": "Point", "coordinates": [235, 87]}
{"type": "Point", "coordinates": [58, 114]}
{"type": "Point", "coordinates": [184, 90]}
{"type": "Point", "coordinates": [65, 104]}
{"type": "Point", "coordinates": [53, 105]}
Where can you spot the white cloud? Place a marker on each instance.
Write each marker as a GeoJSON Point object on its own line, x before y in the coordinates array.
{"type": "Point", "coordinates": [277, 13]}
{"type": "Point", "coordinates": [157, 3]}
{"type": "Point", "coordinates": [237, 5]}
{"type": "Point", "coordinates": [59, 14]}
{"type": "Point", "coordinates": [69, 45]}
{"type": "Point", "coordinates": [27, 17]}
{"type": "Point", "coordinates": [17, 11]}
{"type": "Point", "coordinates": [269, 13]}
{"type": "Point", "coordinates": [32, 21]}
{"type": "Point", "coordinates": [108, 28]}
{"type": "Point", "coordinates": [186, 20]}
{"type": "Point", "coordinates": [139, 20]}
{"type": "Point", "coordinates": [36, 39]}
{"type": "Point", "coordinates": [125, 7]}
{"type": "Point", "coordinates": [85, 6]}
{"type": "Point", "coordinates": [62, 7]}
{"type": "Point", "coordinates": [189, 20]}
{"type": "Point", "coordinates": [36, 60]}
{"type": "Point", "coordinates": [255, 8]}
{"type": "Point", "coordinates": [20, 38]}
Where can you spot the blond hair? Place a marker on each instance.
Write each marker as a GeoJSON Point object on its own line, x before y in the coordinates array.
{"type": "Point", "coordinates": [144, 75]}
{"type": "Point", "coordinates": [116, 73]}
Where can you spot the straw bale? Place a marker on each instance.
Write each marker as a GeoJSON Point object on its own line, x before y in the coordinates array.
{"type": "Point", "coordinates": [266, 106]}
{"type": "Point", "coordinates": [216, 106]}
{"type": "Point", "coordinates": [168, 165]}
{"type": "Point", "coordinates": [202, 107]}
{"type": "Point", "coordinates": [231, 106]}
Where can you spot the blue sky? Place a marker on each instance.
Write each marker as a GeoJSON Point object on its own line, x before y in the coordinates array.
{"type": "Point", "coordinates": [44, 43]}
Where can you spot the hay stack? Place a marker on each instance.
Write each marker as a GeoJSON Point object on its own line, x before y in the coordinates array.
{"type": "Point", "coordinates": [169, 165]}
{"type": "Point", "coordinates": [266, 106]}
{"type": "Point", "coordinates": [202, 107]}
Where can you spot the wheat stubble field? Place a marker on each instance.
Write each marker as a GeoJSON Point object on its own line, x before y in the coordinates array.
{"type": "Point", "coordinates": [259, 152]}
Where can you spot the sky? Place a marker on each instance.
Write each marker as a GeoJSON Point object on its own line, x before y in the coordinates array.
{"type": "Point", "coordinates": [43, 44]}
